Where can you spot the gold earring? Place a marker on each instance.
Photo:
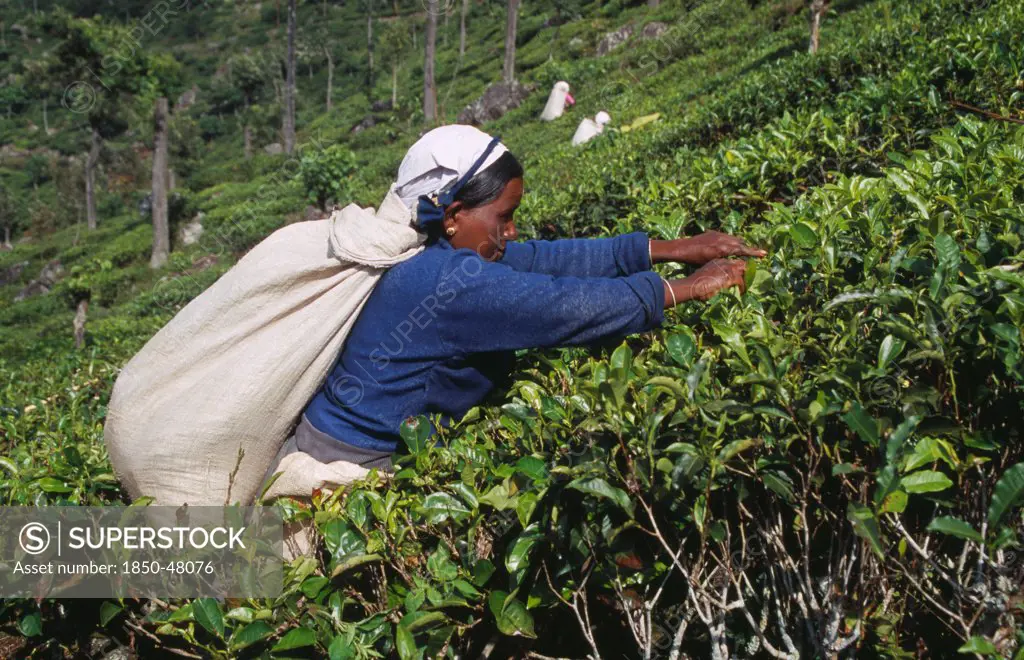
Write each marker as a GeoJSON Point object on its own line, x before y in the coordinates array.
{"type": "Point", "coordinates": [451, 231]}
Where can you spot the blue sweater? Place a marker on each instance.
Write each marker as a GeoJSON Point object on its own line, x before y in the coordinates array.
{"type": "Point", "coordinates": [440, 329]}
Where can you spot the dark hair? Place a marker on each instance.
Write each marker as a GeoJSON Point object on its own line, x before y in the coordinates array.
{"type": "Point", "coordinates": [485, 187]}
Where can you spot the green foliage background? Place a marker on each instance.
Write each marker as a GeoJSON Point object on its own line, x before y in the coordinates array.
{"type": "Point", "coordinates": [828, 465]}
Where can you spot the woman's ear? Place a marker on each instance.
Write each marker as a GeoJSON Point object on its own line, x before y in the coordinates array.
{"type": "Point", "coordinates": [451, 218]}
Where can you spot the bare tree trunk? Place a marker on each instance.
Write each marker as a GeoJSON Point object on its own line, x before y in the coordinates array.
{"type": "Point", "coordinates": [462, 27]}
{"type": "Point", "coordinates": [394, 84]}
{"type": "Point", "coordinates": [277, 4]}
{"type": "Point", "coordinates": [429, 86]}
{"type": "Point", "coordinates": [554, 37]}
{"type": "Point", "coordinates": [79, 323]}
{"type": "Point", "coordinates": [653, 4]}
{"type": "Point", "coordinates": [330, 76]}
{"type": "Point", "coordinates": [90, 179]}
{"type": "Point", "coordinates": [444, 36]}
{"type": "Point", "coordinates": [394, 6]}
{"type": "Point", "coordinates": [288, 126]}
{"type": "Point", "coordinates": [46, 121]}
{"type": "Point", "coordinates": [7, 237]}
{"type": "Point", "coordinates": [247, 140]}
{"type": "Point", "coordinates": [512, 17]}
{"type": "Point", "coordinates": [161, 230]}
{"type": "Point", "coordinates": [369, 48]}
{"type": "Point", "coordinates": [818, 9]}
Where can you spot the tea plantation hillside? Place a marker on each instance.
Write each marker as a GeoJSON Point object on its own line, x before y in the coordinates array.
{"type": "Point", "coordinates": [827, 465]}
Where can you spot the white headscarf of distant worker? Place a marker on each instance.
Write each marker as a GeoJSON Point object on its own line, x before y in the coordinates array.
{"type": "Point", "coordinates": [438, 161]}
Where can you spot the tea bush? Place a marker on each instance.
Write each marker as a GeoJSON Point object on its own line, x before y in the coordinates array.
{"type": "Point", "coordinates": [328, 175]}
{"type": "Point", "coordinates": [827, 465]}
{"type": "Point", "coordinates": [791, 471]}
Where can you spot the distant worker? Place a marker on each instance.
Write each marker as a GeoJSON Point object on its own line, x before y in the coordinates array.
{"type": "Point", "coordinates": [557, 101]}
{"type": "Point", "coordinates": [589, 128]}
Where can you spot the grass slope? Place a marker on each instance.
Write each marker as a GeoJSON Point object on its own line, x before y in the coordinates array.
{"type": "Point", "coordinates": [864, 393]}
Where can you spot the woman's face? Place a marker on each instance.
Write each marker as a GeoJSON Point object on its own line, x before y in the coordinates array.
{"type": "Point", "coordinates": [485, 229]}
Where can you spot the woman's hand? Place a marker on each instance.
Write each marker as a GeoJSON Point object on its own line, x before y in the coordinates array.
{"type": "Point", "coordinates": [716, 275]}
{"type": "Point", "coordinates": [702, 249]}
{"type": "Point", "coordinates": [708, 280]}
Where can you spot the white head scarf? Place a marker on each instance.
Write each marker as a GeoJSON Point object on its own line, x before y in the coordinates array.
{"type": "Point", "coordinates": [440, 157]}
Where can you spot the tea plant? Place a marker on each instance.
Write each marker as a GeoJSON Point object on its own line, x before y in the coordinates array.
{"type": "Point", "coordinates": [827, 465]}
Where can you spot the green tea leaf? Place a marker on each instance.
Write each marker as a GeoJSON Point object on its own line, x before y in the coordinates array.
{"type": "Point", "coordinates": [779, 483]}
{"type": "Point", "coordinates": [737, 447]}
{"type": "Point", "coordinates": [697, 373]}
{"type": "Point", "coordinates": [296, 638]}
{"type": "Point", "coordinates": [525, 507]}
{"type": "Point", "coordinates": [894, 502]}
{"type": "Point", "coordinates": [532, 467]}
{"type": "Point", "coordinates": [622, 357]}
{"type": "Point", "coordinates": [512, 616]}
{"type": "Point", "coordinates": [861, 422]}
{"type": "Point", "coordinates": [803, 235]}
{"type": "Point", "coordinates": [925, 481]}
{"type": "Point", "coordinates": [31, 624]}
{"type": "Point", "coordinates": [341, 649]}
{"type": "Point", "coordinates": [405, 643]}
{"type": "Point", "coordinates": [354, 561]}
{"type": "Point", "coordinates": [499, 497]}
{"type": "Point", "coordinates": [954, 527]}
{"type": "Point", "coordinates": [108, 610]}
{"type": "Point", "coordinates": [669, 384]}
{"type": "Point", "coordinates": [416, 431]}
{"type": "Point", "coordinates": [681, 348]}
{"type": "Point", "coordinates": [919, 203]}
{"type": "Point", "coordinates": [749, 275]}
{"type": "Point", "coordinates": [207, 614]}
{"type": "Point", "coordinates": [948, 251]}
{"type": "Point", "coordinates": [311, 586]}
{"type": "Point", "coordinates": [482, 571]}
{"type": "Point", "coordinates": [183, 613]}
{"type": "Point", "coordinates": [440, 565]}
{"type": "Point", "coordinates": [865, 526]}
{"type": "Point", "coordinates": [886, 482]}
{"type": "Point", "coordinates": [733, 339]}
{"type": "Point", "coordinates": [520, 550]}
{"type": "Point", "coordinates": [51, 485]}
{"type": "Point", "coordinates": [889, 350]}
{"type": "Point", "coordinates": [243, 614]}
{"type": "Point", "coordinates": [894, 445]}
{"type": "Point", "coordinates": [601, 488]}
{"type": "Point", "coordinates": [978, 645]}
{"type": "Point", "coordinates": [1007, 494]}
{"type": "Point", "coordinates": [438, 507]}
{"type": "Point", "coordinates": [250, 634]}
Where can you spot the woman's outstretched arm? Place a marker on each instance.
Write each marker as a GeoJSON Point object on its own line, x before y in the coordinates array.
{"type": "Point", "coordinates": [487, 306]}
{"type": "Point", "coordinates": [616, 256]}
{"type": "Point", "coordinates": [621, 255]}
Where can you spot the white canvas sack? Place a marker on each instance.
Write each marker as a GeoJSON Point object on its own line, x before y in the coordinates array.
{"type": "Point", "coordinates": [199, 414]}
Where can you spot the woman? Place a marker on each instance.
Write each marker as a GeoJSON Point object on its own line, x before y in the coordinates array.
{"type": "Point", "coordinates": [440, 330]}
